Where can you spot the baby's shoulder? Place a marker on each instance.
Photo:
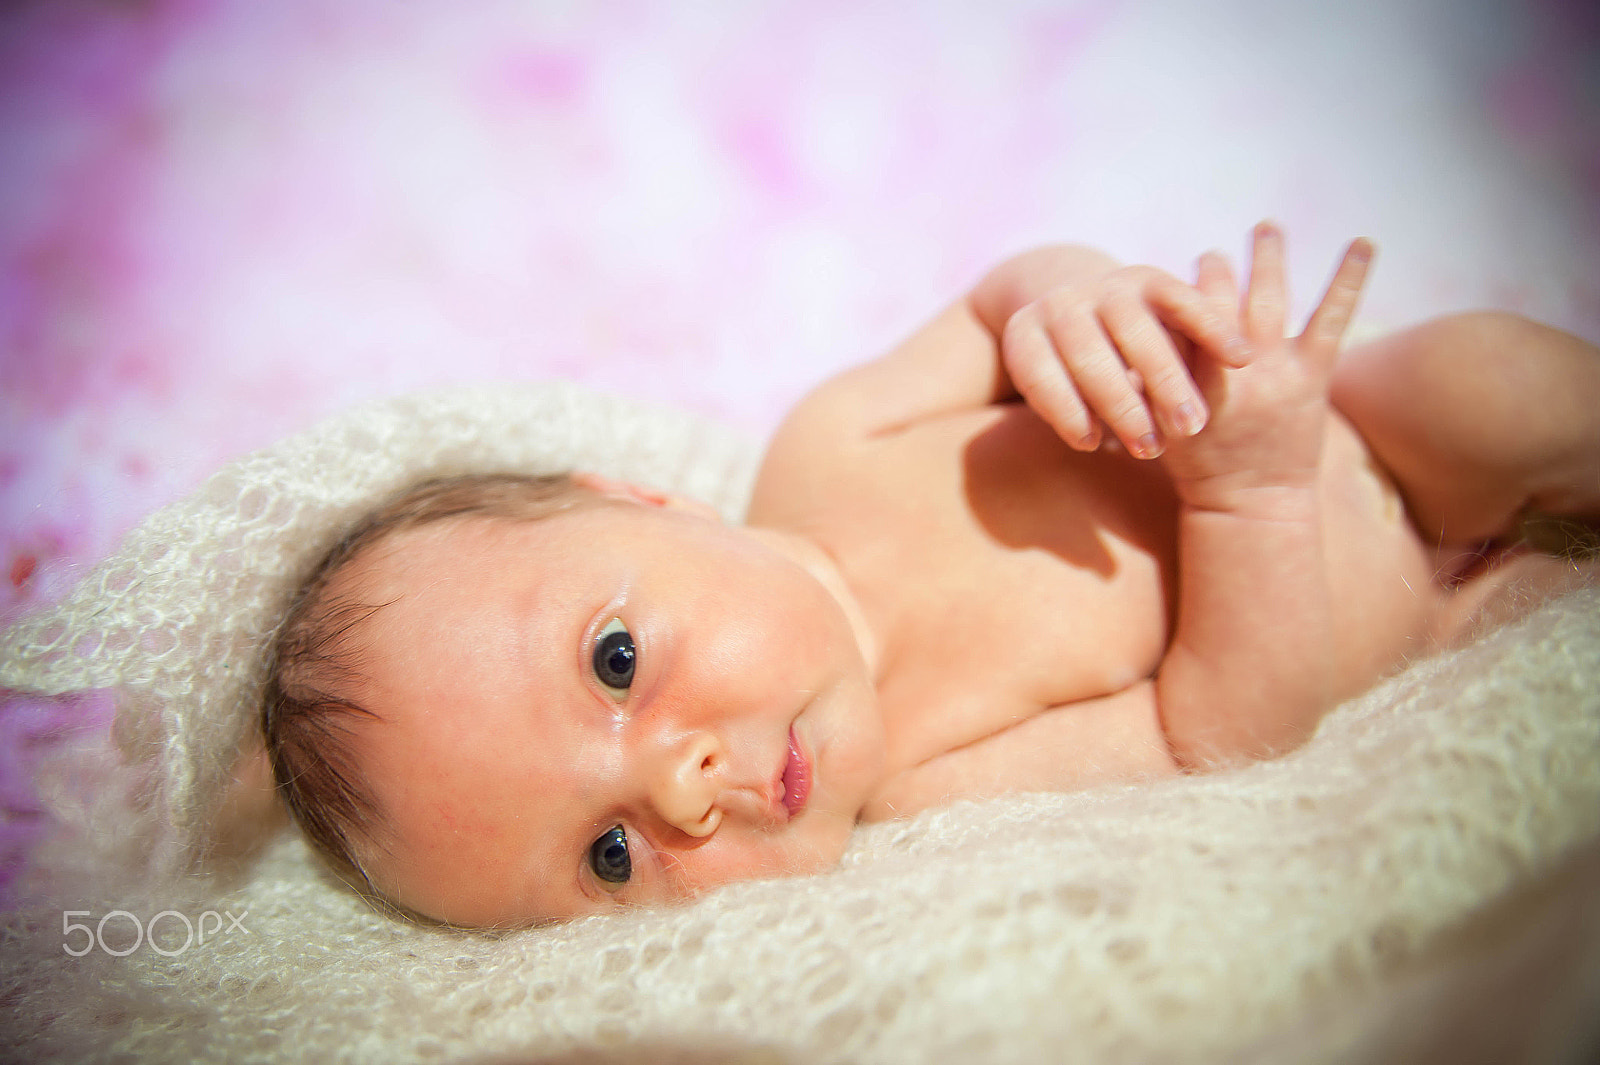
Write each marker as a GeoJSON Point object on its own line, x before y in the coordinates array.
{"type": "Point", "coordinates": [810, 459]}
{"type": "Point", "coordinates": [949, 366]}
{"type": "Point", "coordinates": [831, 465]}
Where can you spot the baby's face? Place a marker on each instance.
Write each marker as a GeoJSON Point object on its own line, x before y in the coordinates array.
{"type": "Point", "coordinates": [621, 704]}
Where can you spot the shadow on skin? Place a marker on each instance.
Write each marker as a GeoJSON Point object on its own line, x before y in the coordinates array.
{"type": "Point", "coordinates": [1019, 461]}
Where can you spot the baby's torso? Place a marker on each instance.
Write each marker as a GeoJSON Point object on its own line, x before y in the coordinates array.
{"type": "Point", "coordinates": [1004, 573]}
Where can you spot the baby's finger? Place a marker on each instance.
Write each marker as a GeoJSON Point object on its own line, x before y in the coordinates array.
{"type": "Point", "coordinates": [1154, 367]}
{"type": "Point", "coordinates": [1267, 299]}
{"type": "Point", "coordinates": [1100, 377]}
{"type": "Point", "coordinates": [1214, 278]}
{"type": "Point", "coordinates": [1036, 371]}
{"type": "Point", "coordinates": [1332, 316]}
{"type": "Point", "coordinates": [1203, 320]}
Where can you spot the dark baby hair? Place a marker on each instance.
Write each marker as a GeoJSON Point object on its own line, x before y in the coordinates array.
{"type": "Point", "coordinates": [307, 709]}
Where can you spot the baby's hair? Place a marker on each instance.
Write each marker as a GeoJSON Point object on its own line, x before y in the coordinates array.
{"type": "Point", "coordinates": [308, 706]}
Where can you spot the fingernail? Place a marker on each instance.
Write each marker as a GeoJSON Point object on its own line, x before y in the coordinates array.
{"type": "Point", "coordinates": [1189, 418]}
{"type": "Point", "coordinates": [1146, 447]}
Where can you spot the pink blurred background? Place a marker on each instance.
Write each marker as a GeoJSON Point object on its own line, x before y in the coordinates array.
{"type": "Point", "coordinates": [222, 221]}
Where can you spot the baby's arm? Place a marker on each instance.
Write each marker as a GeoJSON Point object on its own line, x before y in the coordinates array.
{"type": "Point", "coordinates": [1250, 668]}
{"type": "Point", "coordinates": [951, 364]}
{"type": "Point", "coordinates": [1112, 738]}
{"type": "Point", "coordinates": [954, 362]}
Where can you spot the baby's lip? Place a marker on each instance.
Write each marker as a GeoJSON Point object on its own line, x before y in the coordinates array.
{"type": "Point", "coordinates": [796, 777]}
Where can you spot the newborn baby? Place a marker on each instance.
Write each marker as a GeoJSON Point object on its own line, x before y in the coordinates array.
{"type": "Point", "coordinates": [1091, 524]}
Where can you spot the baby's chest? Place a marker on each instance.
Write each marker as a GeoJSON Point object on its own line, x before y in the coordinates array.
{"type": "Point", "coordinates": [1004, 574]}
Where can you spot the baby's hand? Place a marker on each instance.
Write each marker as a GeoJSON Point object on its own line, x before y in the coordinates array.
{"type": "Point", "coordinates": [1108, 354]}
{"type": "Point", "coordinates": [1269, 411]}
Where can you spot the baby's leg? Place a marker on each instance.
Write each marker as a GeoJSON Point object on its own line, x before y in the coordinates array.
{"type": "Point", "coordinates": [1506, 591]}
{"type": "Point", "coordinates": [1481, 419]}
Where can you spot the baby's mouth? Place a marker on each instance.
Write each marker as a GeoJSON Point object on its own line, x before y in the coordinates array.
{"type": "Point", "coordinates": [796, 777]}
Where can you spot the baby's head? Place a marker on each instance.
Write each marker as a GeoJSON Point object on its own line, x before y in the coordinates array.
{"type": "Point", "coordinates": [505, 699]}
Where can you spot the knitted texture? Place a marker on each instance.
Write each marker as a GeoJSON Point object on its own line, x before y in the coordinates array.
{"type": "Point", "coordinates": [1205, 918]}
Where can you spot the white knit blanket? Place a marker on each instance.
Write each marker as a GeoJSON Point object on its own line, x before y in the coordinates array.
{"type": "Point", "coordinates": [1420, 881]}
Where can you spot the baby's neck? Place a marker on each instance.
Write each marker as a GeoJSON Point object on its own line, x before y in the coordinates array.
{"type": "Point", "coordinates": [816, 560]}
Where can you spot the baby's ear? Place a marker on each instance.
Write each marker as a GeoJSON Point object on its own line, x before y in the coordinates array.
{"type": "Point", "coordinates": [627, 491]}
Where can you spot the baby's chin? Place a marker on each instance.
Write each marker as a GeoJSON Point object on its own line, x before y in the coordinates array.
{"type": "Point", "coordinates": [825, 845]}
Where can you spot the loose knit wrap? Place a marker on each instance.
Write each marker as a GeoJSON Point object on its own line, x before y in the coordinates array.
{"type": "Point", "coordinates": [1383, 891]}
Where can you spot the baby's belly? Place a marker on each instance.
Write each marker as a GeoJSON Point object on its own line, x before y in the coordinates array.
{"type": "Point", "coordinates": [1006, 573]}
{"type": "Point", "coordinates": [1380, 573]}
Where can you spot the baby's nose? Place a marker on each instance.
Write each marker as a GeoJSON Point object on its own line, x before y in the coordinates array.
{"type": "Point", "coordinates": [686, 782]}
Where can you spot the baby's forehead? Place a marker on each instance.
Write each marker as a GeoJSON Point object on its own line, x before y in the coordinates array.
{"type": "Point", "coordinates": [459, 534]}
{"type": "Point", "coordinates": [483, 546]}
{"type": "Point", "coordinates": [443, 534]}
{"type": "Point", "coordinates": [455, 544]}
{"type": "Point", "coordinates": [433, 549]}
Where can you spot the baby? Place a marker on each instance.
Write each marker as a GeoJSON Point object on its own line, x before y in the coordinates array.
{"type": "Point", "coordinates": [1091, 524]}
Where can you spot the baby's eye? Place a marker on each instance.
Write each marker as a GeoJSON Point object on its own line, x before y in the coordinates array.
{"type": "Point", "coordinates": [608, 858]}
{"type": "Point", "coordinates": [614, 658]}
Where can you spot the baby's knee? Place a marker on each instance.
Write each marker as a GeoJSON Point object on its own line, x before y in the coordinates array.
{"type": "Point", "coordinates": [1478, 325]}
{"type": "Point", "coordinates": [1502, 337]}
{"type": "Point", "coordinates": [1484, 359]}
{"type": "Point", "coordinates": [1498, 335]}
{"type": "Point", "coordinates": [1442, 348]}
